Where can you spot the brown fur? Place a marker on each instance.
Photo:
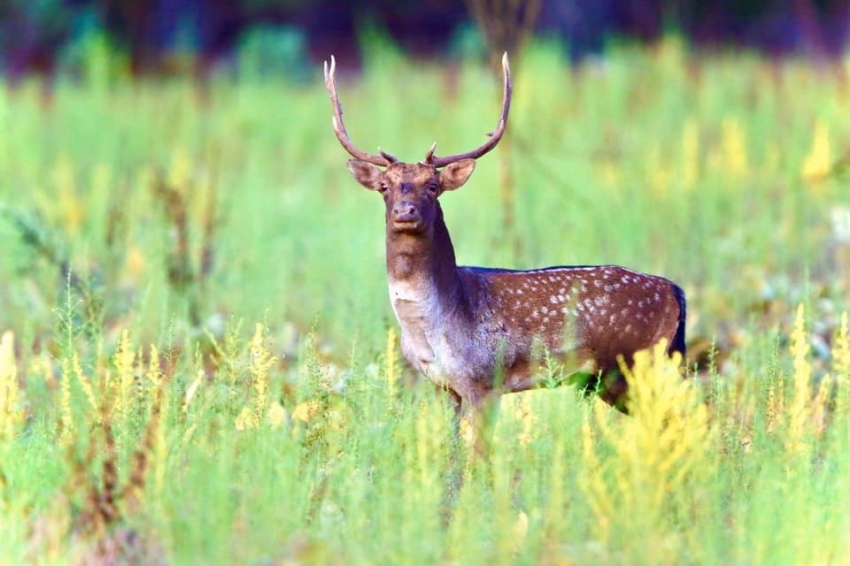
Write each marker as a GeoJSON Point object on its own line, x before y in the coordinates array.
{"type": "Point", "coordinates": [465, 326]}
{"type": "Point", "coordinates": [480, 332]}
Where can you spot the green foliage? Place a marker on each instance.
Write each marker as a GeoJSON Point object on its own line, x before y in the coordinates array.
{"type": "Point", "coordinates": [146, 229]}
{"type": "Point", "coordinates": [273, 51]}
{"type": "Point", "coordinates": [93, 57]}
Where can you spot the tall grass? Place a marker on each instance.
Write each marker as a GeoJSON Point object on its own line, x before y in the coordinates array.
{"type": "Point", "coordinates": [281, 425]}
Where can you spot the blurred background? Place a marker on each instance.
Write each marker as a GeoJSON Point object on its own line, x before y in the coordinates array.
{"type": "Point", "coordinates": [157, 37]}
{"type": "Point", "coordinates": [157, 153]}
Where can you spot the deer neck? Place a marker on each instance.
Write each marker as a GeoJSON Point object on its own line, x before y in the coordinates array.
{"type": "Point", "coordinates": [427, 296]}
{"type": "Point", "coordinates": [421, 268]}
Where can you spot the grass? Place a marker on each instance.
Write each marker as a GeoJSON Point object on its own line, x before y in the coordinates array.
{"type": "Point", "coordinates": [200, 364]}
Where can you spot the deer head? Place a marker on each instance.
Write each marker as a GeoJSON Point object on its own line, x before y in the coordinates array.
{"type": "Point", "coordinates": [410, 190]}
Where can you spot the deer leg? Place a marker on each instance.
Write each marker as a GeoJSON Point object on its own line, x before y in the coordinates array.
{"type": "Point", "coordinates": [613, 389]}
{"type": "Point", "coordinates": [473, 424]}
{"type": "Point", "coordinates": [478, 422]}
{"type": "Point", "coordinates": [455, 402]}
{"type": "Point", "coordinates": [454, 476]}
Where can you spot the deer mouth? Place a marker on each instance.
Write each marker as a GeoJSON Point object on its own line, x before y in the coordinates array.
{"type": "Point", "coordinates": [415, 226]}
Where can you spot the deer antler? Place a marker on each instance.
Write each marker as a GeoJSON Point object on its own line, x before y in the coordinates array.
{"type": "Point", "coordinates": [495, 136]}
{"type": "Point", "coordinates": [384, 158]}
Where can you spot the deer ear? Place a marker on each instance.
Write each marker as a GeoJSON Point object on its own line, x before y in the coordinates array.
{"type": "Point", "coordinates": [455, 174]}
{"type": "Point", "coordinates": [367, 174]}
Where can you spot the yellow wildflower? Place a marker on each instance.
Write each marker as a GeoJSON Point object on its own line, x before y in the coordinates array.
{"type": "Point", "coordinates": [818, 162]}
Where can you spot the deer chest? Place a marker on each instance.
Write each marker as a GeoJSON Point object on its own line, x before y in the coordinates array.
{"type": "Point", "coordinates": [431, 341]}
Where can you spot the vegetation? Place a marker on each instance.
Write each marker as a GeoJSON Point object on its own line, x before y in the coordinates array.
{"type": "Point", "coordinates": [199, 364]}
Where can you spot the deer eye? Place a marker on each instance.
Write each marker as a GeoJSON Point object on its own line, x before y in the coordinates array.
{"type": "Point", "coordinates": [383, 188]}
{"type": "Point", "coordinates": [432, 188]}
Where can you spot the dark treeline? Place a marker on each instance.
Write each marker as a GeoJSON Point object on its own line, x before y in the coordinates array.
{"type": "Point", "coordinates": [34, 33]}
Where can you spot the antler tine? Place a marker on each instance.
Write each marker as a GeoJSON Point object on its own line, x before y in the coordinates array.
{"type": "Point", "coordinates": [339, 126]}
{"type": "Point", "coordinates": [429, 157]}
{"type": "Point", "coordinates": [388, 156]}
{"type": "Point", "coordinates": [495, 136]}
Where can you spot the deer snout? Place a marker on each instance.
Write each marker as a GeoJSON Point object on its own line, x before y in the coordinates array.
{"type": "Point", "coordinates": [406, 212]}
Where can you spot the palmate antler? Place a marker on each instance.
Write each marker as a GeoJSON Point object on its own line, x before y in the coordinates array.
{"type": "Point", "coordinates": [385, 159]}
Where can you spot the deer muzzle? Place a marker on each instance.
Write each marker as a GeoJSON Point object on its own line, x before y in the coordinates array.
{"type": "Point", "coordinates": [406, 216]}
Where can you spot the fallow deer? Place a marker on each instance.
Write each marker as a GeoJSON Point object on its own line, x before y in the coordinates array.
{"type": "Point", "coordinates": [479, 332]}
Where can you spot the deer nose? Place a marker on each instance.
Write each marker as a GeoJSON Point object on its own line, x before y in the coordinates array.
{"type": "Point", "coordinates": [405, 211]}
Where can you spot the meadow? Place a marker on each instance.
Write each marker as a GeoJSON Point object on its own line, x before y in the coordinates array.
{"type": "Point", "coordinates": [199, 363]}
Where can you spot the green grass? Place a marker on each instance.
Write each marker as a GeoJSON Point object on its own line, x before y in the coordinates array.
{"type": "Point", "coordinates": [290, 445]}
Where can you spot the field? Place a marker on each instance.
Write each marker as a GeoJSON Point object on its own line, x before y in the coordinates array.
{"type": "Point", "coordinates": [199, 363]}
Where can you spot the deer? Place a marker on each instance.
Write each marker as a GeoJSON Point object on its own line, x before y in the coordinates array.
{"type": "Point", "coordinates": [481, 332]}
